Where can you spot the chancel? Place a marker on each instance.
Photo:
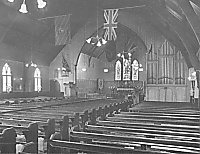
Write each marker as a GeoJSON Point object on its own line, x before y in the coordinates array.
{"type": "Point", "coordinates": [100, 76]}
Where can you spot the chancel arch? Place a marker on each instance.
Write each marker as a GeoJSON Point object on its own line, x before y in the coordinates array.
{"type": "Point", "coordinates": [6, 78]}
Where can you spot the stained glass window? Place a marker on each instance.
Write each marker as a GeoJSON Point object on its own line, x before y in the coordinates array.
{"type": "Point", "coordinates": [7, 78]}
{"type": "Point", "coordinates": [37, 79]}
{"type": "Point", "coordinates": [126, 69]}
{"type": "Point", "coordinates": [118, 68]}
{"type": "Point", "coordinates": [135, 70]}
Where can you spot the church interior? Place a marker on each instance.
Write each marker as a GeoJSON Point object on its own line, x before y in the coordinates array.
{"type": "Point", "coordinates": [99, 76]}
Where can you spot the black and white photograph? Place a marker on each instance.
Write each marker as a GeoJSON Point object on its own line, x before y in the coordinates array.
{"type": "Point", "coordinates": [99, 76]}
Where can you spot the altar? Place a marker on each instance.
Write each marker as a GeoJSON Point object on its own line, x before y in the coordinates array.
{"type": "Point", "coordinates": [134, 88]}
{"type": "Point", "coordinates": [127, 71]}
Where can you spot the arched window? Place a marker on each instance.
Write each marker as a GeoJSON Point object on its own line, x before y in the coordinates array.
{"type": "Point", "coordinates": [7, 78]}
{"type": "Point", "coordinates": [37, 80]}
{"type": "Point", "coordinates": [135, 70]}
{"type": "Point", "coordinates": [118, 69]}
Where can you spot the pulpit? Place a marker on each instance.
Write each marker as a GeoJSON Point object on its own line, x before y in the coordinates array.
{"type": "Point", "coordinates": [70, 90]}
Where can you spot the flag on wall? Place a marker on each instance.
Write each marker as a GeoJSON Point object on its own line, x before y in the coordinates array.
{"type": "Point", "coordinates": [62, 30]}
{"type": "Point", "coordinates": [110, 25]}
{"type": "Point", "coordinates": [65, 64]}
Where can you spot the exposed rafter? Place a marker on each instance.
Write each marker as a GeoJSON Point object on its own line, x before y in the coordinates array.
{"type": "Point", "coordinates": [165, 30]}
{"type": "Point", "coordinates": [191, 16]}
{"type": "Point", "coordinates": [197, 2]}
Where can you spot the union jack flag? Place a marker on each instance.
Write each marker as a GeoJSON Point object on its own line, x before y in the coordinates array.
{"type": "Point", "coordinates": [110, 16]}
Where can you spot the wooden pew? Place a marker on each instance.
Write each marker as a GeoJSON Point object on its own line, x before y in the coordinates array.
{"type": "Point", "coordinates": [163, 108]}
{"type": "Point", "coordinates": [78, 122]}
{"type": "Point", "coordinates": [161, 127]}
{"type": "Point", "coordinates": [144, 132]}
{"type": "Point", "coordinates": [8, 141]}
{"type": "Point", "coordinates": [187, 111]}
{"type": "Point", "coordinates": [162, 113]}
{"type": "Point", "coordinates": [165, 117]}
{"type": "Point", "coordinates": [138, 140]}
{"type": "Point", "coordinates": [50, 110]}
{"type": "Point", "coordinates": [19, 122]}
{"type": "Point", "coordinates": [94, 148]}
{"type": "Point", "coordinates": [155, 121]}
{"type": "Point", "coordinates": [65, 143]}
{"type": "Point", "coordinates": [43, 114]}
{"type": "Point", "coordinates": [8, 138]}
{"type": "Point", "coordinates": [192, 137]}
{"type": "Point", "coordinates": [24, 119]}
{"type": "Point", "coordinates": [31, 136]}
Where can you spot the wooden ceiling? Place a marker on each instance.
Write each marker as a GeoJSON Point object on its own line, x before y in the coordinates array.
{"type": "Point", "coordinates": [177, 20]}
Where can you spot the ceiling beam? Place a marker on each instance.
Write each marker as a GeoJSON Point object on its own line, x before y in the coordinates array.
{"type": "Point", "coordinates": [197, 2]}
{"type": "Point", "coordinates": [191, 16]}
{"type": "Point", "coordinates": [188, 38]}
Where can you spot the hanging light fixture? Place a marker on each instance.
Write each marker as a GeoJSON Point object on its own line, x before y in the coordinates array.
{"type": "Point", "coordinates": [84, 69]}
{"type": "Point", "coordinates": [99, 41]}
{"type": "Point", "coordinates": [31, 64]}
{"type": "Point", "coordinates": [41, 4]}
{"type": "Point", "coordinates": [23, 8]}
{"type": "Point", "coordinates": [11, 1]}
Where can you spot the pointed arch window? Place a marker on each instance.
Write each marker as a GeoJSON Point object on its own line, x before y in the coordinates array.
{"type": "Point", "coordinates": [7, 78]}
{"type": "Point", "coordinates": [37, 80]}
{"type": "Point", "coordinates": [135, 70]}
{"type": "Point", "coordinates": [118, 69]}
